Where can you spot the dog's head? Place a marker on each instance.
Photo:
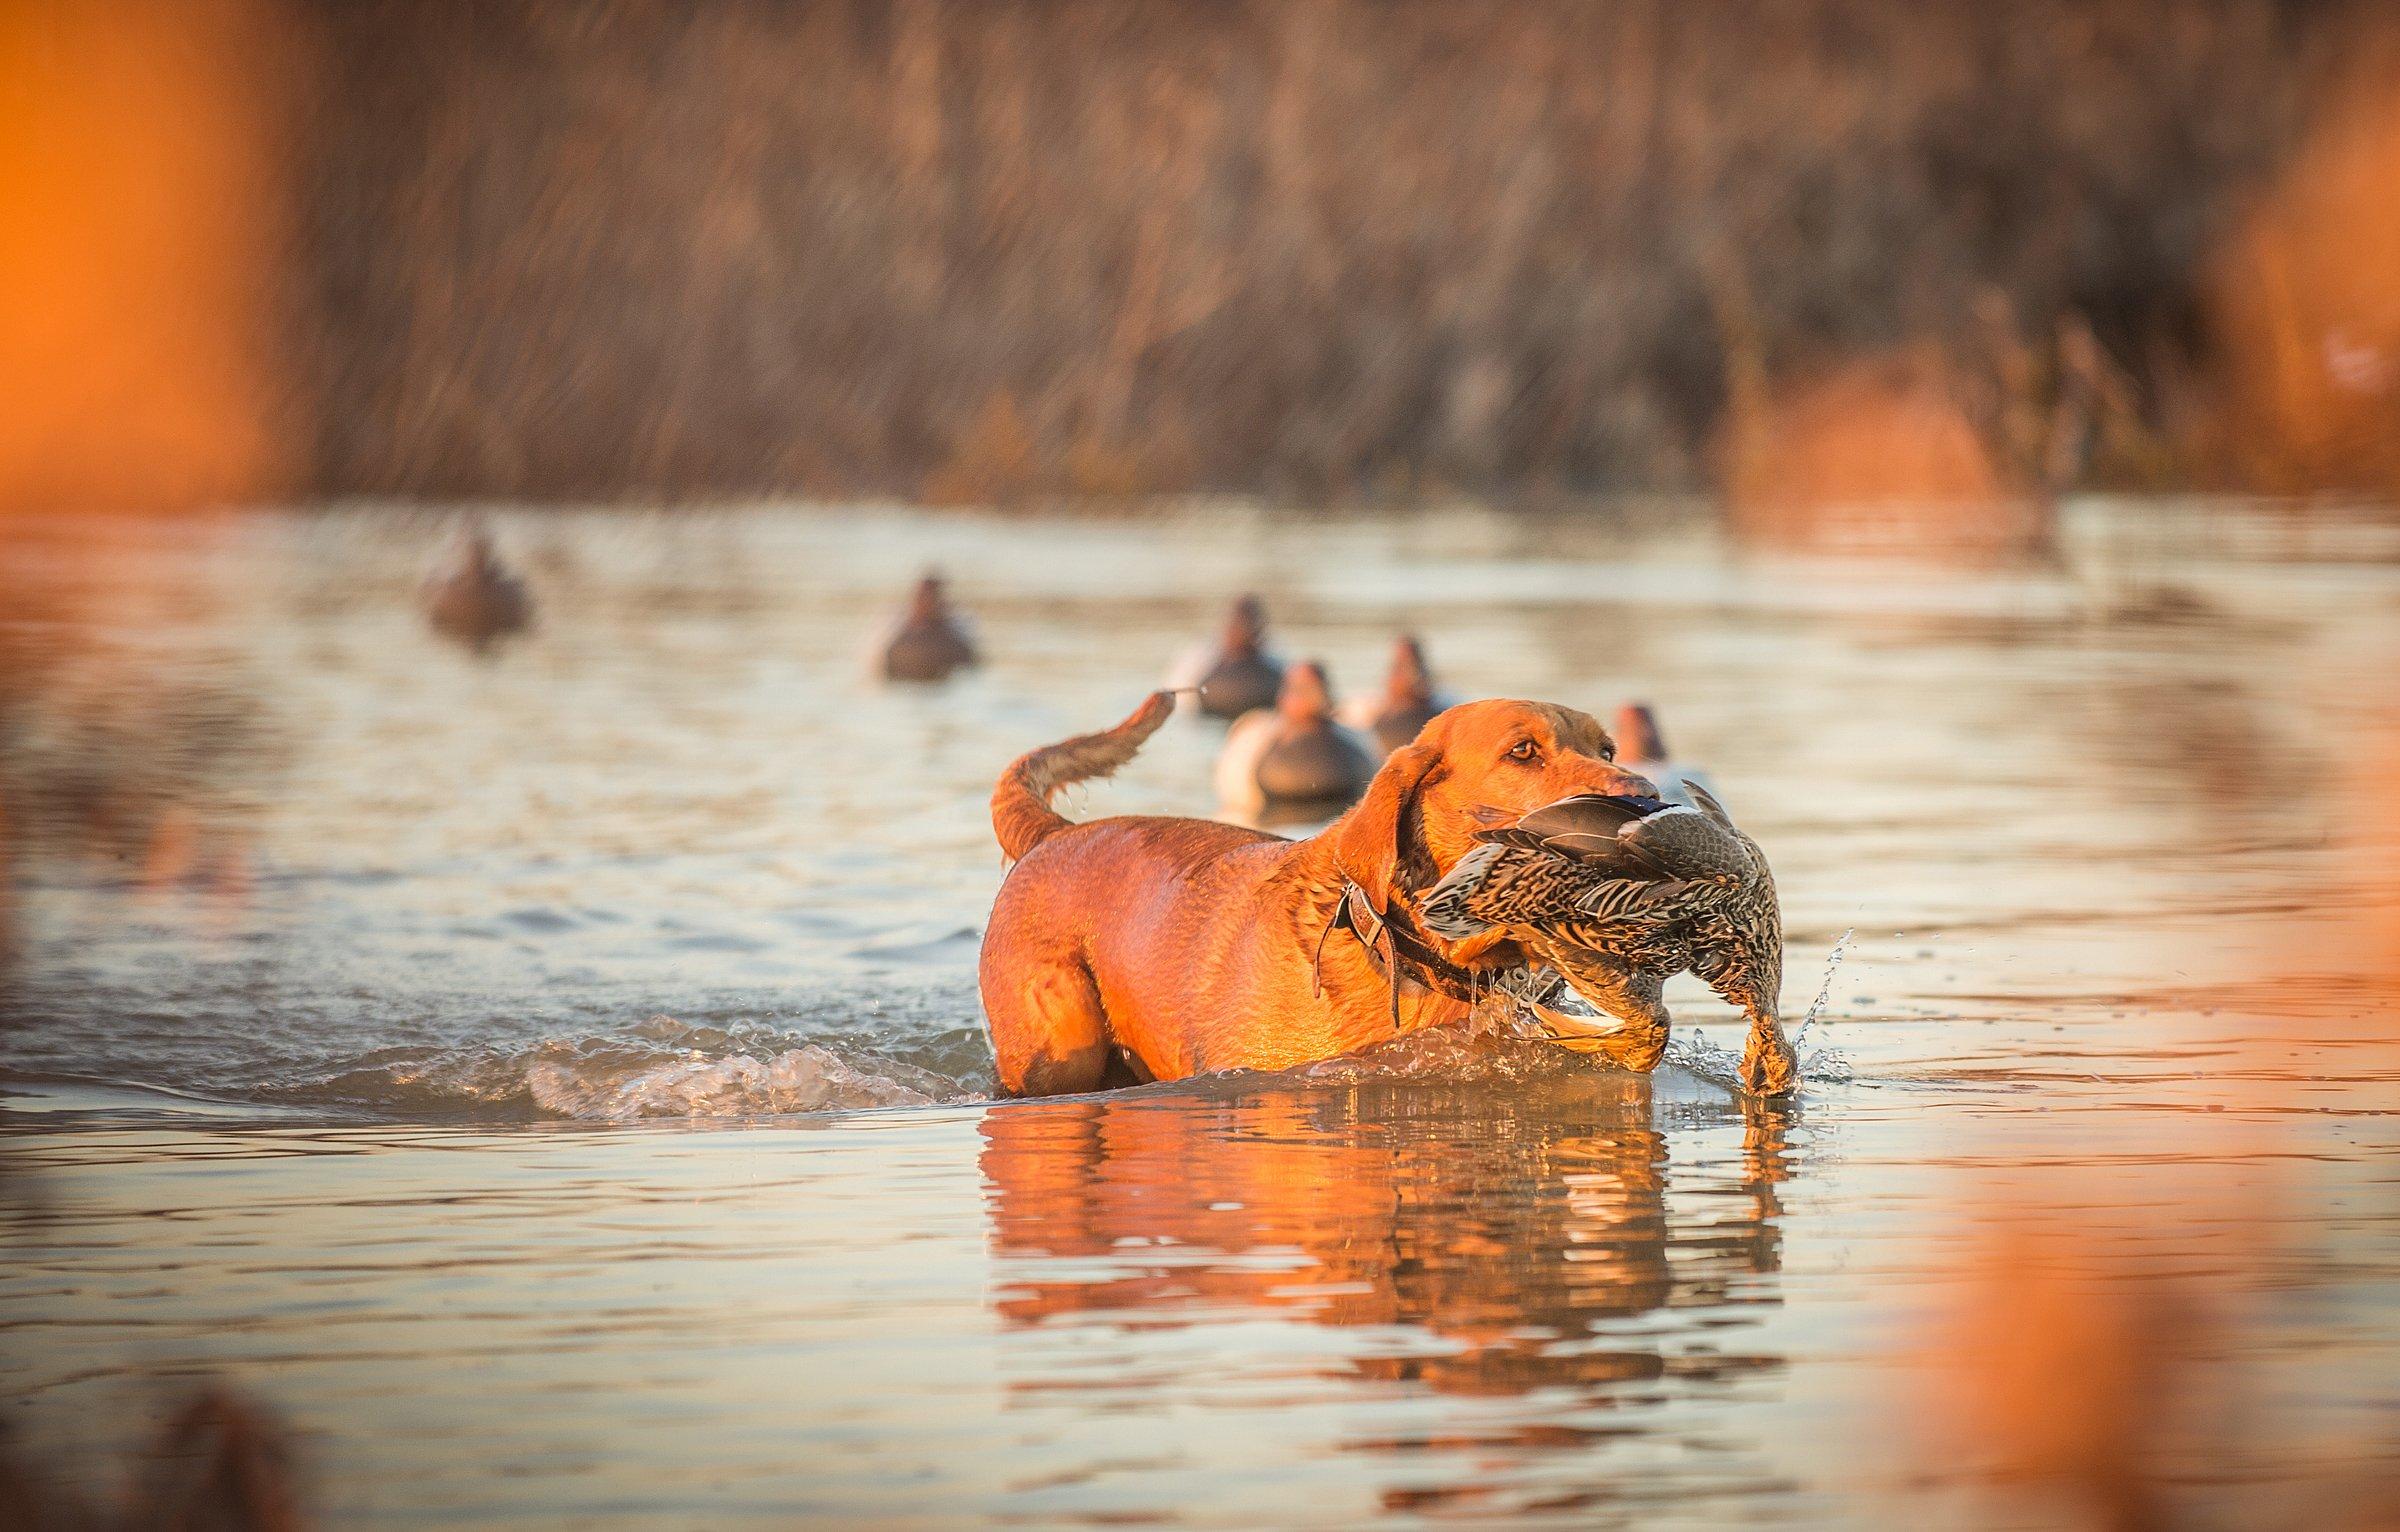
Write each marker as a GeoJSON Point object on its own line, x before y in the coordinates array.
{"type": "Point", "coordinates": [1477, 765]}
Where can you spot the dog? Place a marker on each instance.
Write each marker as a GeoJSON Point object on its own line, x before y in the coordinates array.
{"type": "Point", "coordinates": [1133, 949]}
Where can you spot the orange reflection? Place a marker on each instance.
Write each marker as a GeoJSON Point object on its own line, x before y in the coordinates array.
{"type": "Point", "coordinates": [1381, 1205]}
{"type": "Point", "coordinates": [1878, 455]}
{"type": "Point", "coordinates": [2307, 305]}
{"type": "Point", "coordinates": [2364, 930]}
{"type": "Point", "coordinates": [2068, 1365]}
{"type": "Point", "coordinates": [2096, 1348]}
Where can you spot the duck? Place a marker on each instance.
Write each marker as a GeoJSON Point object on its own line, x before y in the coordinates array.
{"type": "Point", "coordinates": [1643, 751]}
{"type": "Point", "coordinates": [1408, 703]}
{"type": "Point", "coordinates": [929, 642]}
{"type": "Point", "coordinates": [1237, 676]}
{"type": "Point", "coordinates": [472, 597]}
{"type": "Point", "coordinates": [1615, 894]}
{"type": "Point", "coordinates": [1295, 753]}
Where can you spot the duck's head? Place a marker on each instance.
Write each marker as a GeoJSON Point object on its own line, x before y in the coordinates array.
{"type": "Point", "coordinates": [471, 549]}
{"type": "Point", "coordinates": [1409, 682]}
{"type": "Point", "coordinates": [1637, 733]}
{"type": "Point", "coordinates": [1245, 626]}
{"type": "Point", "coordinates": [930, 601]}
{"type": "Point", "coordinates": [1306, 700]}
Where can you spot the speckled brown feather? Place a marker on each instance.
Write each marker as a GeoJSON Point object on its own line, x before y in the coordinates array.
{"type": "Point", "coordinates": [1617, 896]}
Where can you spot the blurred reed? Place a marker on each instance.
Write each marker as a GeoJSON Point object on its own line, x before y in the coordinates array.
{"type": "Point", "coordinates": [976, 252]}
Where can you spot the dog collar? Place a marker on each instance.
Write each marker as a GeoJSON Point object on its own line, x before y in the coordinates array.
{"type": "Point", "coordinates": [1381, 936]}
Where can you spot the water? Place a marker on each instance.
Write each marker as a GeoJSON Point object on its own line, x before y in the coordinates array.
{"type": "Point", "coordinates": [1816, 1007]}
{"type": "Point", "coordinates": [554, 1083]}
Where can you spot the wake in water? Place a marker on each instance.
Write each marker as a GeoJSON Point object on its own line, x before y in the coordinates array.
{"type": "Point", "coordinates": [809, 1078]}
{"type": "Point", "coordinates": [661, 1068]}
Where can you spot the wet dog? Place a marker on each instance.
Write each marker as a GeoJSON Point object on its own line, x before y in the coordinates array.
{"type": "Point", "coordinates": [1141, 948]}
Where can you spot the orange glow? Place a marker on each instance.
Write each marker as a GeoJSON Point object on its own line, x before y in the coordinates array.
{"type": "Point", "coordinates": [1877, 455]}
{"type": "Point", "coordinates": [2066, 1362]}
{"type": "Point", "coordinates": [2307, 301]}
{"type": "Point", "coordinates": [139, 227]}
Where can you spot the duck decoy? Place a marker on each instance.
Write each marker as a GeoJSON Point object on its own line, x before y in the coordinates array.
{"type": "Point", "coordinates": [929, 641]}
{"type": "Point", "coordinates": [1237, 675]}
{"type": "Point", "coordinates": [1642, 751]}
{"type": "Point", "coordinates": [1408, 703]}
{"type": "Point", "coordinates": [474, 598]}
{"type": "Point", "coordinates": [1294, 753]}
{"type": "Point", "coordinates": [1618, 893]}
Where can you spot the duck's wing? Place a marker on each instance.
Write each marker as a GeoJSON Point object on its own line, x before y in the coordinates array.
{"type": "Point", "coordinates": [1499, 884]}
{"type": "Point", "coordinates": [1688, 844]}
{"type": "Point", "coordinates": [1456, 907]}
{"type": "Point", "coordinates": [1591, 830]}
{"type": "Point", "coordinates": [1589, 814]}
{"type": "Point", "coordinates": [1698, 789]}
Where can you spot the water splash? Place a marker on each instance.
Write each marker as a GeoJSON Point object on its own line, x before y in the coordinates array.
{"type": "Point", "coordinates": [809, 1078]}
{"type": "Point", "coordinates": [661, 1067]}
{"type": "Point", "coordinates": [1686, 1050]}
{"type": "Point", "coordinates": [1695, 1055]}
{"type": "Point", "coordinates": [1816, 1007]}
{"type": "Point", "coordinates": [1450, 1054]}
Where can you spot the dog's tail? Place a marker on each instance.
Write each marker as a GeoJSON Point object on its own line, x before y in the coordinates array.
{"type": "Point", "coordinates": [1021, 813]}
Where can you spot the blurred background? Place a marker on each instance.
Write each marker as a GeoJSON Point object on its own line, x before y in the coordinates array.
{"type": "Point", "coordinates": [1977, 427]}
{"type": "Point", "coordinates": [971, 253]}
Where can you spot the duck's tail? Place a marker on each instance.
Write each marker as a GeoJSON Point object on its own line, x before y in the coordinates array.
{"type": "Point", "coordinates": [1021, 813]}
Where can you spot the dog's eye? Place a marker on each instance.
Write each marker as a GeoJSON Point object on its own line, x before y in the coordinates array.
{"type": "Point", "coordinates": [1524, 750]}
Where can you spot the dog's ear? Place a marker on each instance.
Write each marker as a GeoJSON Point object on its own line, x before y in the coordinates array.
{"type": "Point", "coordinates": [1366, 841]}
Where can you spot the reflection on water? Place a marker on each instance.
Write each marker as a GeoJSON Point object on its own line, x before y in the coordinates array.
{"type": "Point", "coordinates": [348, 985]}
{"type": "Point", "coordinates": [1399, 1206]}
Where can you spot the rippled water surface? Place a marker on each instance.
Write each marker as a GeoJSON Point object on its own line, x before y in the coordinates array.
{"type": "Point", "coordinates": [553, 1080]}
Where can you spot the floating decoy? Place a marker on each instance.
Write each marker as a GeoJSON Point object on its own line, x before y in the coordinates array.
{"type": "Point", "coordinates": [1618, 893]}
{"type": "Point", "coordinates": [1408, 703]}
{"type": "Point", "coordinates": [1642, 751]}
{"type": "Point", "coordinates": [472, 597]}
{"type": "Point", "coordinates": [1237, 675]}
{"type": "Point", "coordinates": [929, 641]}
{"type": "Point", "coordinates": [1294, 753]}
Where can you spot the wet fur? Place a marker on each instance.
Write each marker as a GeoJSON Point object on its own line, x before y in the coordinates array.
{"type": "Point", "coordinates": [1144, 948]}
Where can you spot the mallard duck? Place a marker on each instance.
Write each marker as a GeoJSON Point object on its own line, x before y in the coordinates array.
{"type": "Point", "coordinates": [1408, 703]}
{"type": "Point", "coordinates": [1294, 752]}
{"type": "Point", "coordinates": [1618, 893]}
{"type": "Point", "coordinates": [1642, 751]}
{"type": "Point", "coordinates": [929, 641]}
{"type": "Point", "coordinates": [472, 597]}
{"type": "Point", "coordinates": [1236, 675]}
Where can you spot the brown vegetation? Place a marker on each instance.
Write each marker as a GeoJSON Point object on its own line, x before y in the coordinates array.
{"type": "Point", "coordinates": [978, 251]}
